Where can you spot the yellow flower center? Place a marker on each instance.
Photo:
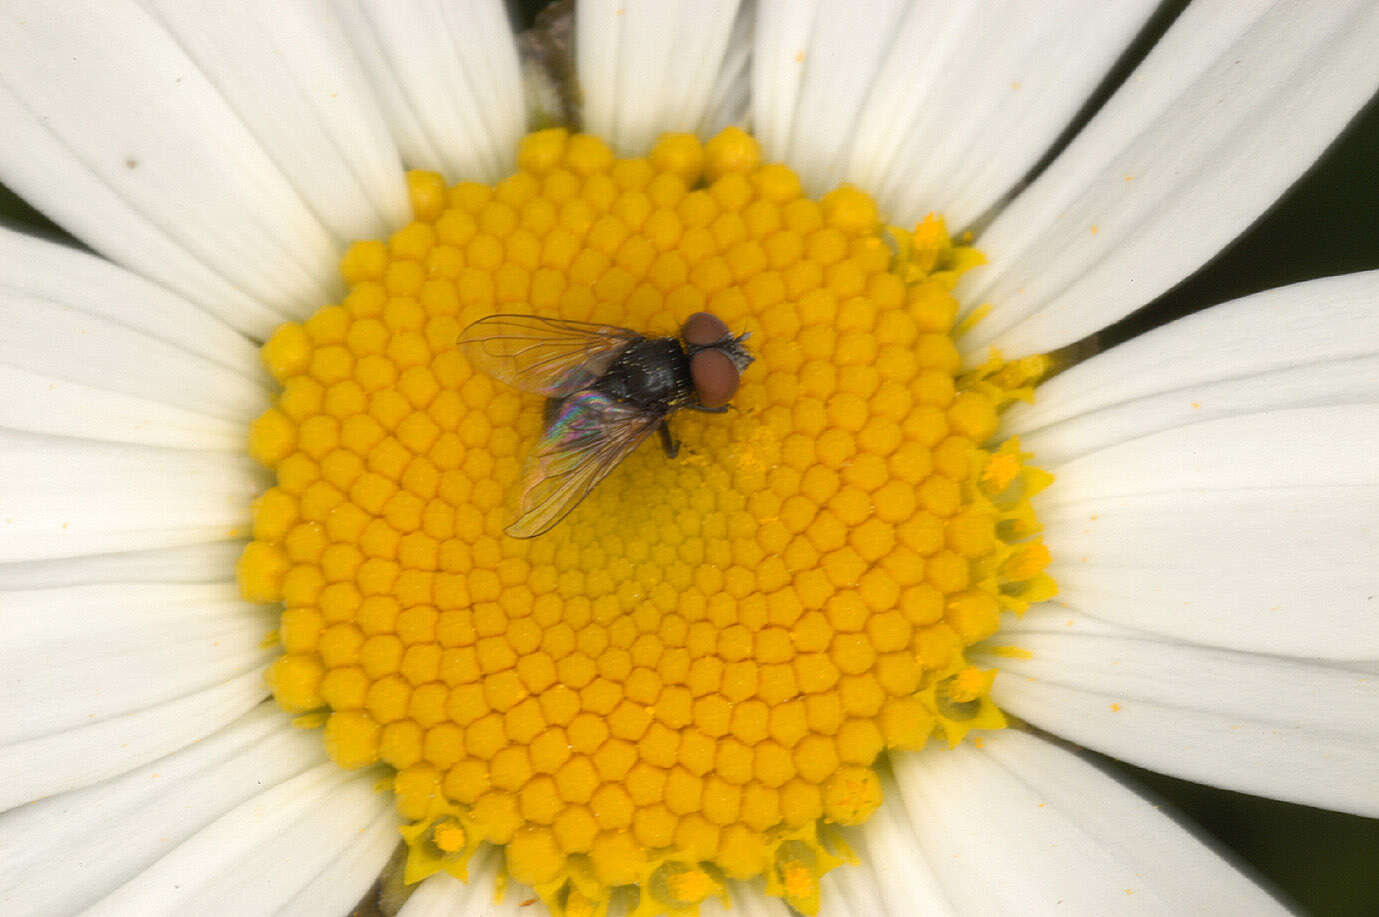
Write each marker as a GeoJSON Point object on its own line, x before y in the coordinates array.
{"type": "Point", "coordinates": [697, 667]}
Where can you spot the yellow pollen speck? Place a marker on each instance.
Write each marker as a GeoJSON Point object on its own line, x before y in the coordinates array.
{"type": "Point", "coordinates": [1011, 652]}
{"type": "Point", "coordinates": [692, 885]}
{"type": "Point", "coordinates": [699, 666]}
{"type": "Point", "coordinates": [1000, 471]}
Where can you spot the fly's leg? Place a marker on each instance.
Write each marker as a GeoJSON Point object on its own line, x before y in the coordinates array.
{"type": "Point", "coordinates": [671, 446]}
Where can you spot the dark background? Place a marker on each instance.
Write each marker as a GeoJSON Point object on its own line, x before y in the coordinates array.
{"type": "Point", "coordinates": [1321, 862]}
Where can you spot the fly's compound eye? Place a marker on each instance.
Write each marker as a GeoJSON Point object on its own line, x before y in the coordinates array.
{"type": "Point", "coordinates": [715, 377]}
{"type": "Point", "coordinates": [702, 329]}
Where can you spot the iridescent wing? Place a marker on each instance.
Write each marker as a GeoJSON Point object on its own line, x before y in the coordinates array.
{"type": "Point", "coordinates": [544, 356]}
{"type": "Point", "coordinates": [588, 438]}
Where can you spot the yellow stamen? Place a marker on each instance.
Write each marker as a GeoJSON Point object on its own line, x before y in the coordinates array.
{"type": "Point", "coordinates": [968, 685]}
{"type": "Point", "coordinates": [449, 838]}
{"type": "Point", "coordinates": [705, 659]}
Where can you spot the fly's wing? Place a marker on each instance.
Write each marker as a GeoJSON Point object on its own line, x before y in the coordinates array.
{"type": "Point", "coordinates": [588, 438]}
{"type": "Point", "coordinates": [544, 356]}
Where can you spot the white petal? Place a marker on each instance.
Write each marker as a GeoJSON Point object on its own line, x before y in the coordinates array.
{"type": "Point", "coordinates": [67, 761]}
{"type": "Point", "coordinates": [68, 497]}
{"type": "Point", "coordinates": [1302, 447]}
{"type": "Point", "coordinates": [63, 853]}
{"type": "Point", "coordinates": [730, 100]}
{"type": "Point", "coordinates": [36, 403]}
{"type": "Point", "coordinates": [597, 31]}
{"type": "Point", "coordinates": [117, 135]}
{"type": "Point", "coordinates": [1022, 826]}
{"type": "Point", "coordinates": [814, 83]}
{"type": "Point", "coordinates": [779, 56]}
{"type": "Point", "coordinates": [1056, 616]}
{"type": "Point", "coordinates": [212, 562]}
{"type": "Point", "coordinates": [1251, 533]}
{"type": "Point", "coordinates": [853, 890]}
{"type": "Point", "coordinates": [448, 80]}
{"type": "Point", "coordinates": [1317, 384]}
{"type": "Point", "coordinates": [290, 74]}
{"type": "Point", "coordinates": [70, 373]}
{"type": "Point", "coordinates": [260, 856]}
{"type": "Point", "coordinates": [51, 338]}
{"type": "Point", "coordinates": [1219, 362]}
{"type": "Point", "coordinates": [82, 654]}
{"type": "Point", "coordinates": [344, 881]}
{"type": "Point", "coordinates": [894, 875]}
{"type": "Point", "coordinates": [443, 895]}
{"type": "Point", "coordinates": [1281, 570]}
{"type": "Point", "coordinates": [92, 285]}
{"type": "Point", "coordinates": [1290, 729]}
{"type": "Point", "coordinates": [649, 66]}
{"type": "Point", "coordinates": [970, 96]}
{"type": "Point", "coordinates": [1229, 109]}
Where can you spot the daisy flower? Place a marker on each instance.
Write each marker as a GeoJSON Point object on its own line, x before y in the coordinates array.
{"type": "Point", "coordinates": [266, 646]}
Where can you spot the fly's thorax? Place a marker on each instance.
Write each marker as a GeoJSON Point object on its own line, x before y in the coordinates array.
{"type": "Point", "coordinates": [653, 373]}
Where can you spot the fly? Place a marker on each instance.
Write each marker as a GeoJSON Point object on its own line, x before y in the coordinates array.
{"type": "Point", "coordinates": [607, 389]}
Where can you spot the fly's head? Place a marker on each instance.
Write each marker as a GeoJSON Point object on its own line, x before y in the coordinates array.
{"type": "Point", "coordinates": [717, 358]}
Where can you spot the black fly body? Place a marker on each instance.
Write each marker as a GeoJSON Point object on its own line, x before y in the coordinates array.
{"type": "Point", "coordinates": [607, 389]}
